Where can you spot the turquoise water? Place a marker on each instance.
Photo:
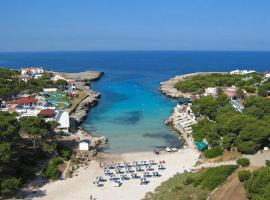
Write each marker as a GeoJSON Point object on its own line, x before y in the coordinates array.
{"type": "Point", "coordinates": [132, 117]}
{"type": "Point", "coordinates": [131, 111]}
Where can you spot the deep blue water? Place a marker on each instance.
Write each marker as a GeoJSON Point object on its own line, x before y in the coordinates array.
{"type": "Point", "coordinates": [131, 111]}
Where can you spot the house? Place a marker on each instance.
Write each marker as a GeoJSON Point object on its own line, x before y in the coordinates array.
{"type": "Point", "coordinates": [25, 77]}
{"type": "Point", "coordinates": [210, 91]}
{"type": "Point", "coordinates": [231, 92]}
{"type": "Point", "coordinates": [32, 71]}
{"type": "Point", "coordinates": [24, 101]}
{"type": "Point", "coordinates": [84, 145]}
{"type": "Point", "coordinates": [71, 85]}
{"type": "Point", "coordinates": [47, 113]}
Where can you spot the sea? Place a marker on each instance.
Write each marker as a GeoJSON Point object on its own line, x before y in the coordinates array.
{"type": "Point", "coordinates": [132, 111]}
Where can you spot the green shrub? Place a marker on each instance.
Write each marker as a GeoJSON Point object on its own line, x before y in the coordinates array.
{"type": "Point", "coordinates": [267, 163]}
{"type": "Point", "coordinates": [188, 180]}
{"type": "Point", "coordinates": [258, 186]}
{"type": "Point", "coordinates": [64, 151]}
{"type": "Point", "coordinates": [244, 175]}
{"type": "Point", "coordinates": [244, 162]}
{"type": "Point", "coordinates": [214, 152]}
{"type": "Point", "coordinates": [52, 172]}
{"type": "Point", "coordinates": [9, 186]}
{"type": "Point", "coordinates": [213, 177]}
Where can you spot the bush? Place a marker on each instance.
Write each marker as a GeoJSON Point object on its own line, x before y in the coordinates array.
{"type": "Point", "coordinates": [188, 180]}
{"type": "Point", "coordinates": [10, 186]}
{"type": "Point", "coordinates": [213, 177]}
{"type": "Point", "coordinates": [214, 152]}
{"type": "Point", "coordinates": [52, 172]}
{"type": "Point", "coordinates": [64, 151]}
{"type": "Point", "coordinates": [244, 162]}
{"type": "Point", "coordinates": [244, 175]}
{"type": "Point", "coordinates": [267, 163]}
{"type": "Point", "coordinates": [258, 186]}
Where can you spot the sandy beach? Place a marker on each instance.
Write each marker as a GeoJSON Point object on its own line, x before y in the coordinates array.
{"type": "Point", "coordinates": [81, 186]}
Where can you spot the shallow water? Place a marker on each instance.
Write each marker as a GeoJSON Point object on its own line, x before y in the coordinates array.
{"type": "Point", "coordinates": [131, 111]}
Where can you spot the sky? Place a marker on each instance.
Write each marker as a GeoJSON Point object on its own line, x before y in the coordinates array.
{"type": "Point", "coordinates": [56, 25]}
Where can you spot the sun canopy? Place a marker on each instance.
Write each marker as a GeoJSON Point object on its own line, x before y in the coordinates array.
{"type": "Point", "coordinates": [201, 145]}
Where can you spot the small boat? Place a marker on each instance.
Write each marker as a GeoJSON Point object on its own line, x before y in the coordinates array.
{"type": "Point", "coordinates": [168, 149]}
{"type": "Point", "coordinates": [174, 149]}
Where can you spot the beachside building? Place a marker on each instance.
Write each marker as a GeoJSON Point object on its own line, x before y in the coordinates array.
{"type": "Point", "coordinates": [62, 118]}
{"type": "Point", "coordinates": [84, 145]}
{"type": "Point", "coordinates": [184, 118]}
{"type": "Point", "coordinates": [210, 91]}
{"type": "Point", "coordinates": [242, 72]}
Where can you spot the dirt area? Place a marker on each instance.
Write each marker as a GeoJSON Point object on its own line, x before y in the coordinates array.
{"type": "Point", "coordinates": [259, 158]}
{"type": "Point", "coordinates": [232, 189]}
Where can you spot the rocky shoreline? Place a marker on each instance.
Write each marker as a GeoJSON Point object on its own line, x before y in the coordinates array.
{"type": "Point", "coordinates": [167, 87]}
{"type": "Point", "coordinates": [80, 112]}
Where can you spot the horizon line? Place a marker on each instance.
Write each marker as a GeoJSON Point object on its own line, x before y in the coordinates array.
{"type": "Point", "coordinates": [60, 51]}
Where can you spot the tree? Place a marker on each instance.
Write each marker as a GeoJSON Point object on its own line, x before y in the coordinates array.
{"type": "Point", "coordinates": [9, 127]}
{"type": "Point", "coordinates": [5, 151]}
{"type": "Point", "coordinates": [263, 89]}
{"type": "Point", "coordinates": [9, 186]}
{"type": "Point", "coordinates": [34, 127]}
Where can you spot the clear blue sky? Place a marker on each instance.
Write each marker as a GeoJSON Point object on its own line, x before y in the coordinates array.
{"type": "Point", "coordinates": [51, 25]}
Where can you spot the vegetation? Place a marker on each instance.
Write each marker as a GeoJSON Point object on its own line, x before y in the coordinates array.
{"type": "Point", "coordinates": [19, 158]}
{"type": "Point", "coordinates": [258, 186]}
{"type": "Point", "coordinates": [244, 175]}
{"type": "Point", "coordinates": [213, 152]}
{"type": "Point", "coordinates": [198, 83]}
{"type": "Point", "coordinates": [221, 125]}
{"type": "Point", "coordinates": [64, 151]}
{"type": "Point", "coordinates": [193, 186]}
{"type": "Point", "coordinates": [52, 172]}
{"type": "Point", "coordinates": [34, 127]}
{"type": "Point", "coordinates": [243, 162]}
{"type": "Point", "coordinates": [11, 84]}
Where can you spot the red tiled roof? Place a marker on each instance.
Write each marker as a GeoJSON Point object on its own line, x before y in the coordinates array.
{"type": "Point", "coordinates": [46, 113]}
{"type": "Point", "coordinates": [23, 100]}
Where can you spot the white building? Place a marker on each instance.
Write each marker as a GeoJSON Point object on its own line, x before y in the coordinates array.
{"type": "Point", "coordinates": [32, 71]}
{"type": "Point", "coordinates": [242, 72]}
{"type": "Point", "coordinates": [48, 90]}
{"type": "Point", "coordinates": [210, 91]}
{"type": "Point", "coordinates": [84, 145]}
{"type": "Point", "coordinates": [62, 118]}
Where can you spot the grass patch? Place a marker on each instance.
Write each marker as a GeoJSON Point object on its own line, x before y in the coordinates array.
{"type": "Point", "coordinates": [193, 186]}
{"type": "Point", "coordinates": [214, 152]}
